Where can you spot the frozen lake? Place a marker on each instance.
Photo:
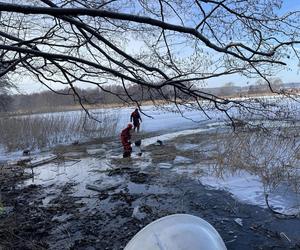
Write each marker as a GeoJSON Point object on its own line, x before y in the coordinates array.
{"type": "Point", "coordinates": [169, 125]}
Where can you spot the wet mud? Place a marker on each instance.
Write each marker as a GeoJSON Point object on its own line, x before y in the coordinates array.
{"type": "Point", "coordinates": [59, 215]}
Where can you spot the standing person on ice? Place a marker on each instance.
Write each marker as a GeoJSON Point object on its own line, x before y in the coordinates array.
{"type": "Point", "coordinates": [136, 118]}
{"type": "Point", "coordinates": [125, 139]}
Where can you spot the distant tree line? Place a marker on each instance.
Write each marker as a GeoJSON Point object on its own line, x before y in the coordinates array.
{"type": "Point", "coordinates": [48, 101]}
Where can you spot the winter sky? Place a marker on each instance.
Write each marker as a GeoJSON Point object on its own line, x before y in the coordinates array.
{"type": "Point", "coordinates": [28, 85]}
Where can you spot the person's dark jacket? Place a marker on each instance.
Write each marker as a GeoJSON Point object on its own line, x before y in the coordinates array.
{"type": "Point", "coordinates": [135, 117]}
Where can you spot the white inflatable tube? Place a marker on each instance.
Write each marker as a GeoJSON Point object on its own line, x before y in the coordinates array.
{"type": "Point", "coordinates": [177, 232]}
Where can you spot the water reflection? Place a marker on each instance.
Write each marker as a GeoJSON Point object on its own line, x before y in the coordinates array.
{"type": "Point", "coordinates": [249, 164]}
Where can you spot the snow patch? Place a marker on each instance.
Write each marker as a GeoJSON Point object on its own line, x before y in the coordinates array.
{"type": "Point", "coordinates": [182, 160]}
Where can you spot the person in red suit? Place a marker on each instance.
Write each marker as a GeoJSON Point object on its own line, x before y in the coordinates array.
{"type": "Point", "coordinates": [125, 139]}
{"type": "Point", "coordinates": [136, 119]}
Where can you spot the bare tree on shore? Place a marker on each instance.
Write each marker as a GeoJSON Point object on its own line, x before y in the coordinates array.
{"type": "Point", "coordinates": [5, 87]}
{"type": "Point", "coordinates": [156, 45]}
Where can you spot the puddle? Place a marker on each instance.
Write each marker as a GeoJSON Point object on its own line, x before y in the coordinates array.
{"type": "Point", "coordinates": [249, 188]}
{"type": "Point", "coordinates": [243, 185]}
{"type": "Point", "coordinates": [86, 171]}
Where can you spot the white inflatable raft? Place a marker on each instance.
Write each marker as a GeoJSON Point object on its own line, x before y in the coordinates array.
{"type": "Point", "coordinates": [177, 232]}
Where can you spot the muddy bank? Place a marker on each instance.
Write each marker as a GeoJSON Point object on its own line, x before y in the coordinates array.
{"type": "Point", "coordinates": [70, 222]}
{"type": "Point", "coordinates": [55, 209]}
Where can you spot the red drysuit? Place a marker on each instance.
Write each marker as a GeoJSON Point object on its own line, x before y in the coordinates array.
{"type": "Point", "coordinates": [125, 139]}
